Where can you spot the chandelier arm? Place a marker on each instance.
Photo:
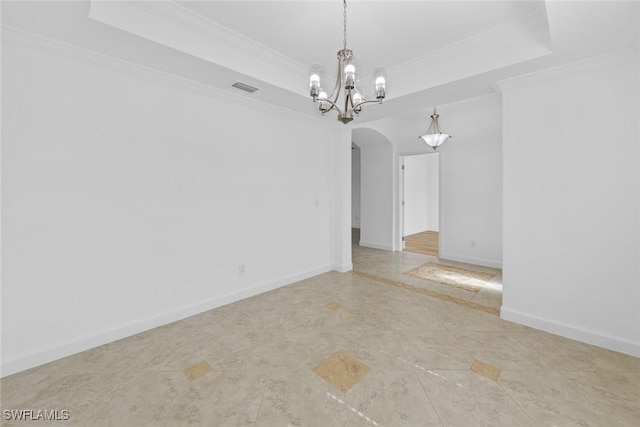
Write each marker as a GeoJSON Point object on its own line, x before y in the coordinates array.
{"type": "Point", "coordinates": [348, 100]}
{"type": "Point", "coordinates": [367, 102]}
{"type": "Point", "coordinates": [336, 89]}
{"type": "Point", "coordinates": [333, 105]}
{"type": "Point", "coordinates": [363, 99]}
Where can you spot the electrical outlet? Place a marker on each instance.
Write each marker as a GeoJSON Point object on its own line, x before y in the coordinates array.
{"type": "Point", "coordinates": [241, 269]}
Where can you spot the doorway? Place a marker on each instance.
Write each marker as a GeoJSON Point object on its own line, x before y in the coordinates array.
{"type": "Point", "coordinates": [420, 203]}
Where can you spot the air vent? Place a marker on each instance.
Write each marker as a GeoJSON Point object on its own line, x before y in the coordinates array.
{"type": "Point", "coordinates": [244, 87]}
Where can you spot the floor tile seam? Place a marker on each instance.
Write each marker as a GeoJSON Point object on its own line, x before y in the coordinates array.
{"type": "Point", "coordinates": [501, 331]}
{"type": "Point", "coordinates": [399, 342]}
{"type": "Point", "coordinates": [277, 346]}
{"type": "Point", "coordinates": [264, 392]}
{"type": "Point", "coordinates": [466, 348]}
{"type": "Point", "coordinates": [349, 409]}
{"type": "Point", "coordinates": [481, 346]}
{"type": "Point", "coordinates": [513, 399]}
{"type": "Point", "coordinates": [90, 372]}
{"type": "Point", "coordinates": [439, 320]}
{"type": "Point", "coordinates": [563, 375]}
{"type": "Point", "coordinates": [627, 371]}
{"type": "Point", "coordinates": [129, 371]}
{"type": "Point", "coordinates": [404, 350]}
{"type": "Point", "coordinates": [424, 390]}
{"type": "Point", "coordinates": [175, 402]}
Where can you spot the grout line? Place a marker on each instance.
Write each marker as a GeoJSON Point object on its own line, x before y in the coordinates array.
{"type": "Point", "coordinates": [427, 396]}
{"type": "Point", "coordinates": [533, 420]}
{"type": "Point", "coordinates": [175, 403]}
{"type": "Point", "coordinates": [260, 405]}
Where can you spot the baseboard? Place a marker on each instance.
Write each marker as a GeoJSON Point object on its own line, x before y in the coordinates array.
{"type": "Point", "coordinates": [376, 246]}
{"type": "Point", "coordinates": [68, 348]}
{"type": "Point", "coordinates": [470, 260]}
{"type": "Point", "coordinates": [579, 334]}
{"type": "Point", "coordinates": [342, 268]}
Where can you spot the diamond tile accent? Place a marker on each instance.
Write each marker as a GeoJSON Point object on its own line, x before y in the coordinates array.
{"type": "Point", "coordinates": [333, 306]}
{"type": "Point", "coordinates": [485, 370]}
{"type": "Point", "coordinates": [198, 370]}
{"type": "Point", "coordinates": [341, 370]}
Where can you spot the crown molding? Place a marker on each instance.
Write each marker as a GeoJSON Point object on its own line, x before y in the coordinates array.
{"type": "Point", "coordinates": [484, 52]}
{"type": "Point", "coordinates": [624, 57]}
{"type": "Point", "coordinates": [37, 43]}
{"type": "Point", "coordinates": [175, 26]}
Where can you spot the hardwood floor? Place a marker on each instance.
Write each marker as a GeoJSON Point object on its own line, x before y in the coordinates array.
{"type": "Point", "coordinates": [425, 243]}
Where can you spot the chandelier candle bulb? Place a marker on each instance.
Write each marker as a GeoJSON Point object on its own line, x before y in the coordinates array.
{"type": "Point", "coordinates": [357, 100]}
{"type": "Point", "coordinates": [314, 84]}
{"type": "Point", "coordinates": [380, 76]}
{"type": "Point", "coordinates": [350, 76]}
{"type": "Point", "coordinates": [323, 105]}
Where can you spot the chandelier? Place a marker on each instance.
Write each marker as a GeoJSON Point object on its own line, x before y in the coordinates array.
{"type": "Point", "coordinates": [345, 98]}
{"type": "Point", "coordinates": [435, 137]}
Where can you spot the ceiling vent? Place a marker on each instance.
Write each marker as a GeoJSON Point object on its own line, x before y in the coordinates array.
{"type": "Point", "coordinates": [244, 87]}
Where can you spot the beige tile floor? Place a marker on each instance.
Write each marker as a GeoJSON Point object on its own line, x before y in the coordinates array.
{"type": "Point", "coordinates": [397, 357]}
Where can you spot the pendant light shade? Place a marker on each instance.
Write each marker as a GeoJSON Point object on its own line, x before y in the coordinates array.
{"type": "Point", "coordinates": [434, 137]}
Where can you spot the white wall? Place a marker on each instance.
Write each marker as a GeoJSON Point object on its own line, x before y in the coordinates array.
{"type": "Point", "coordinates": [471, 182]}
{"type": "Point", "coordinates": [340, 199]}
{"type": "Point", "coordinates": [470, 177]}
{"type": "Point", "coordinates": [433, 192]}
{"type": "Point", "coordinates": [128, 204]}
{"type": "Point", "coordinates": [377, 189]}
{"type": "Point", "coordinates": [416, 206]}
{"type": "Point", "coordinates": [571, 201]}
{"type": "Point", "coordinates": [383, 132]}
{"type": "Point", "coordinates": [355, 187]}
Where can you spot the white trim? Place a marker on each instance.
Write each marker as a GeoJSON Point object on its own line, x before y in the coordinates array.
{"type": "Point", "coordinates": [622, 57]}
{"type": "Point", "coordinates": [214, 31]}
{"type": "Point", "coordinates": [47, 46]}
{"type": "Point", "coordinates": [376, 246]}
{"type": "Point", "coordinates": [106, 336]}
{"type": "Point", "coordinates": [180, 28]}
{"type": "Point", "coordinates": [342, 268]}
{"type": "Point", "coordinates": [584, 335]}
{"type": "Point", "coordinates": [470, 260]}
{"type": "Point", "coordinates": [468, 57]}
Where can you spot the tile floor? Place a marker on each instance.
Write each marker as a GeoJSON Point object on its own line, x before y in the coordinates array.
{"type": "Point", "coordinates": [340, 350]}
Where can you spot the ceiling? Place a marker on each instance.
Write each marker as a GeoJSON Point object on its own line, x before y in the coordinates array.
{"type": "Point", "coordinates": [380, 33]}
{"type": "Point", "coordinates": [435, 52]}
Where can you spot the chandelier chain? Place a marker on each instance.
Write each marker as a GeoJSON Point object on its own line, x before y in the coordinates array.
{"type": "Point", "coordinates": [344, 15]}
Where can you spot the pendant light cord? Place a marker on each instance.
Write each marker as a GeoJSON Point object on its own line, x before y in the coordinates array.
{"type": "Point", "coordinates": [344, 15]}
